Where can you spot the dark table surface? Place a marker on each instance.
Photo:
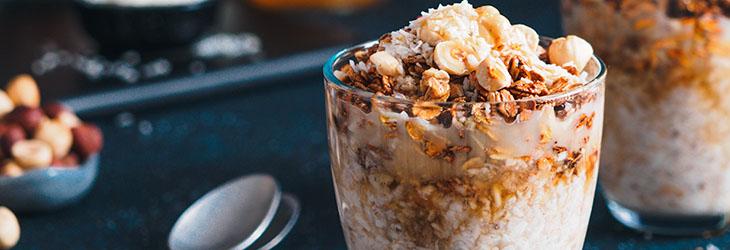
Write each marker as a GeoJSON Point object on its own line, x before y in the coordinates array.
{"type": "Point", "coordinates": [162, 159]}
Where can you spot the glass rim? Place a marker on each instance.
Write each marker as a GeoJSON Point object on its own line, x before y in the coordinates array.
{"type": "Point", "coordinates": [329, 75]}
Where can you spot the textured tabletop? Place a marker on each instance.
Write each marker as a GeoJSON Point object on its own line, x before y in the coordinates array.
{"type": "Point", "coordinates": [156, 162]}
{"type": "Point", "coordinates": [159, 162]}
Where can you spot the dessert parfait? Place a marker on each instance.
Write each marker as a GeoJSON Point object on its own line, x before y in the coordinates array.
{"type": "Point", "coordinates": [463, 131]}
{"type": "Point", "coordinates": [667, 138]}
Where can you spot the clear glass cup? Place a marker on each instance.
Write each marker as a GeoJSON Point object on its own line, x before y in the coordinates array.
{"type": "Point", "coordinates": [667, 142]}
{"type": "Point", "coordinates": [467, 178]}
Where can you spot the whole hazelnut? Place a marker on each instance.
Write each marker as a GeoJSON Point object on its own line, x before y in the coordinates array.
{"type": "Point", "coordinates": [570, 50]}
{"type": "Point", "coordinates": [13, 133]}
{"type": "Point", "coordinates": [32, 154]}
{"type": "Point", "coordinates": [9, 229]}
{"type": "Point", "coordinates": [386, 64]}
{"type": "Point", "coordinates": [87, 140]}
{"type": "Point", "coordinates": [6, 105]}
{"type": "Point", "coordinates": [11, 169]}
{"type": "Point", "coordinates": [57, 135]}
{"type": "Point", "coordinates": [26, 117]}
{"type": "Point", "coordinates": [23, 90]}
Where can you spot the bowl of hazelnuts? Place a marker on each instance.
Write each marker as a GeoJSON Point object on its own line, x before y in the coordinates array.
{"type": "Point", "coordinates": [48, 156]}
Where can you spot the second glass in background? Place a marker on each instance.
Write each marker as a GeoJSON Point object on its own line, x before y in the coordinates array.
{"type": "Point", "coordinates": [667, 137]}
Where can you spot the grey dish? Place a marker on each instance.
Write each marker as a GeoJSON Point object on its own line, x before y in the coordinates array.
{"type": "Point", "coordinates": [49, 188]}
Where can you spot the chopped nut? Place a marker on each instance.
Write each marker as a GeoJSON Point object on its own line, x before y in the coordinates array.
{"type": "Point", "coordinates": [492, 74]}
{"type": "Point", "coordinates": [435, 84]}
{"type": "Point", "coordinates": [570, 49]}
{"type": "Point", "coordinates": [447, 23]}
{"type": "Point", "coordinates": [494, 25]}
{"type": "Point", "coordinates": [451, 56]}
{"type": "Point", "coordinates": [23, 90]}
{"type": "Point", "coordinates": [386, 64]}
{"type": "Point", "coordinates": [531, 38]}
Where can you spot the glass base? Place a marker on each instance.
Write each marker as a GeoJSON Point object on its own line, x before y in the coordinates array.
{"type": "Point", "coordinates": [663, 224]}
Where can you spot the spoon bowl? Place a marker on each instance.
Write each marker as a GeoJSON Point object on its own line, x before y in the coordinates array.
{"type": "Point", "coordinates": [231, 216]}
{"type": "Point", "coordinates": [285, 219]}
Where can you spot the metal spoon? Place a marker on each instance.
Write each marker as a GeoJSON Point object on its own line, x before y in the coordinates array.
{"type": "Point", "coordinates": [232, 216]}
{"type": "Point", "coordinates": [282, 224]}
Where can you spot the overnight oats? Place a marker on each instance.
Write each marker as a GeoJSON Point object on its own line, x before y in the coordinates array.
{"type": "Point", "coordinates": [463, 131]}
{"type": "Point", "coordinates": [667, 145]}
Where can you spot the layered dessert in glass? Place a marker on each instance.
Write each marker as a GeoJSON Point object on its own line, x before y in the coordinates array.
{"type": "Point", "coordinates": [463, 131]}
{"type": "Point", "coordinates": [667, 144]}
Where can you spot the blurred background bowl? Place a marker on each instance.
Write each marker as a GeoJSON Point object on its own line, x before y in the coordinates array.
{"type": "Point", "coordinates": [146, 27]}
{"type": "Point", "coordinates": [49, 188]}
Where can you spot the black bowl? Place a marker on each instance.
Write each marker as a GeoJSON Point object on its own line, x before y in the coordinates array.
{"type": "Point", "coordinates": [131, 27]}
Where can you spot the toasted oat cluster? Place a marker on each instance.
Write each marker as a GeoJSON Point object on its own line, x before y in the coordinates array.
{"type": "Point", "coordinates": [457, 53]}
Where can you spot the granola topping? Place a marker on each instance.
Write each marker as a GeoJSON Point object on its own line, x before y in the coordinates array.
{"type": "Point", "coordinates": [457, 53]}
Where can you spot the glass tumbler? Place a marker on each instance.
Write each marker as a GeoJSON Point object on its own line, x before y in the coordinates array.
{"type": "Point", "coordinates": [461, 176]}
{"type": "Point", "coordinates": [666, 165]}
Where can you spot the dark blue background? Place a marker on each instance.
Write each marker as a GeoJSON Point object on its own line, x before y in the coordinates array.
{"type": "Point", "coordinates": [148, 179]}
